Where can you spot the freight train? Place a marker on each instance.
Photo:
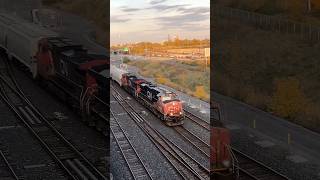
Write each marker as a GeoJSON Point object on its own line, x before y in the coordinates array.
{"type": "Point", "coordinates": [79, 77]}
{"type": "Point", "coordinates": [223, 164]}
{"type": "Point", "coordinates": [162, 102]}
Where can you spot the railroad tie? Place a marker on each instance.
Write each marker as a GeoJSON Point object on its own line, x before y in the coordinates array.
{"type": "Point", "coordinates": [32, 114]}
{"type": "Point", "coordinates": [134, 114]}
{"type": "Point", "coordinates": [76, 170]}
{"type": "Point", "coordinates": [83, 168]}
{"type": "Point", "coordinates": [26, 115]}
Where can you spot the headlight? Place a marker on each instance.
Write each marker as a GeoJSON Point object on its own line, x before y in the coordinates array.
{"type": "Point", "coordinates": [180, 112]}
{"type": "Point", "coordinates": [226, 163]}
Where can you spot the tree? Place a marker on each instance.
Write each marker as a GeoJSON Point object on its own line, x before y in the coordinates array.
{"type": "Point", "coordinates": [315, 4]}
{"type": "Point", "coordinates": [288, 99]}
{"type": "Point", "coordinates": [295, 7]}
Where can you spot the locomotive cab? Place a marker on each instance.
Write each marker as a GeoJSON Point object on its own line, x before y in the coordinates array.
{"type": "Point", "coordinates": [171, 107]}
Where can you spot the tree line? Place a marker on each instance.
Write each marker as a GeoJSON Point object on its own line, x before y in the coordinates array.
{"type": "Point", "coordinates": [142, 47]}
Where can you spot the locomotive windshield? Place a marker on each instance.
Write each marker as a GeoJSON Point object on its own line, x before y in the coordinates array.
{"type": "Point", "coordinates": [168, 97]}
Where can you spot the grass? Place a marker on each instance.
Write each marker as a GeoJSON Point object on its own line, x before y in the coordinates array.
{"type": "Point", "coordinates": [272, 71]}
{"type": "Point", "coordinates": [191, 79]}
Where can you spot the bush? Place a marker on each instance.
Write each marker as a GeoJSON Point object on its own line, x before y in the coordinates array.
{"type": "Point", "coordinates": [288, 99]}
{"type": "Point", "coordinates": [201, 93]}
{"type": "Point", "coordinates": [126, 60]}
{"type": "Point", "coordinates": [186, 78]}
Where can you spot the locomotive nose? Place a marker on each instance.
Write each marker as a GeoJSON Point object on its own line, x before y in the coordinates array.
{"type": "Point", "coordinates": [175, 108]}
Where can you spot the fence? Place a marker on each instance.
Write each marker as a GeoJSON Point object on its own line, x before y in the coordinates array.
{"type": "Point", "coordinates": [271, 23]}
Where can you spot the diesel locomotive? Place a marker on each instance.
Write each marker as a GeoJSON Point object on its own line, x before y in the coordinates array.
{"type": "Point", "coordinates": [77, 76]}
{"type": "Point", "coordinates": [162, 102]}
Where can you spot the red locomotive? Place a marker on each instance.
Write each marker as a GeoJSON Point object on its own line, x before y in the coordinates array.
{"type": "Point", "coordinates": [82, 76]}
{"type": "Point", "coordinates": [222, 161]}
{"type": "Point", "coordinates": [67, 68]}
{"type": "Point", "coordinates": [162, 102]}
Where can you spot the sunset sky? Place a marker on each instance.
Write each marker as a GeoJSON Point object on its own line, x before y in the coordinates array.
{"type": "Point", "coordinates": [153, 20]}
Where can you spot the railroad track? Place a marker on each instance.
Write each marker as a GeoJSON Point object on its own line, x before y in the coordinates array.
{"type": "Point", "coordinates": [185, 165]}
{"type": "Point", "coordinates": [194, 140]}
{"type": "Point", "coordinates": [99, 117]}
{"type": "Point", "coordinates": [137, 168]}
{"type": "Point", "coordinates": [196, 119]}
{"type": "Point", "coordinates": [250, 168]}
{"type": "Point", "coordinates": [6, 169]}
{"type": "Point", "coordinates": [100, 113]}
{"type": "Point", "coordinates": [65, 155]}
{"type": "Point", "coordinates": [197, 142]}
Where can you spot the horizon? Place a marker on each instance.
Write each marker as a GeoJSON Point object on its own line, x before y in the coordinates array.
{"type": "Point", "coordinates": [155, 20]}
{"type": "Point", "coordinates": [158, 42]}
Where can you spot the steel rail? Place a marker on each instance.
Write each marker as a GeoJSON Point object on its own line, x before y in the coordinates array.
{"type": "Point", "coordinates": [248, 166]}
{"type": "Point", "coordinates": [197, 142]}
{"type": "Point", "coordinates": [167, 147]}
{"type": "Point", "coordinates": [255, 169]}
{"type": "Point", "coordinates": [11, 171]}
{"type": "Point", "coordinates": [102, 118]}
{"type": "Point", "coordinates": [137, 168]}
{"type": "Point", "coordinates": [198, 120]}
{"type": "Point", "coordinates": [26, 112]}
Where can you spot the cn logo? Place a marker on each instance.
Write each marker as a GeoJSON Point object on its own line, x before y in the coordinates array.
{"type": "Point", "coordinates": [149, 95]}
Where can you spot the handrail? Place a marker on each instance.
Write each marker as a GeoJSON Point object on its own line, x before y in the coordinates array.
{"type": "Point", "coordinates": [235, 162]}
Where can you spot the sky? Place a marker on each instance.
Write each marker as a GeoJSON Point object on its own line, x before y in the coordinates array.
{"type": "Point", "coordinates": [153, 20]}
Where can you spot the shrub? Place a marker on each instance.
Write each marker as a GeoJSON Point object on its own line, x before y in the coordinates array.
{"type": "Point", "coordinates": [179, 76]}
{"type": "Point", "coordinates": [201, 93]}
{"type": "Point", "coordinates": [126, 60]}
{"type": "Point", "coordinates": [288, 99]}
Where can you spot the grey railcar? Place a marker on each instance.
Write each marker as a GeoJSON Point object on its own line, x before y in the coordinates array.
{"type": "Point", "coordinates": [20, 39]}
